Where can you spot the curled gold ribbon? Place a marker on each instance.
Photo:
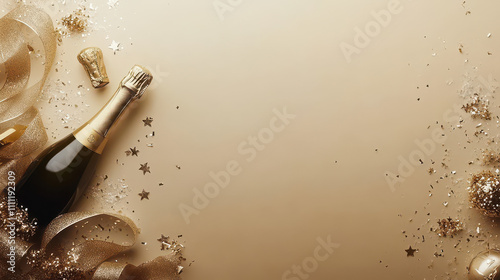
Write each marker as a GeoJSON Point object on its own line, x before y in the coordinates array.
{"type": "Point", "coordinates": [92, 254]}
{"type": "Point", "coordinates": [16, 98]}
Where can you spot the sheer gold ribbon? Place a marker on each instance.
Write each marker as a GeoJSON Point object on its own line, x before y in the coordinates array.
{"type": "Point", "coordinates": [16, 98]}
{"type": "Point", "coordinates": [92, 254]}
{"type": "Point", "coordinates": [16, 107]}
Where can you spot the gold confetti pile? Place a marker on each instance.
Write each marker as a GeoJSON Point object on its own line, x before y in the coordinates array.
{"type": "Point", "coordinates": [449, 227]}
{"type": "Point", "coordinates": [491, 158]}
{"type": "Point", "coordinates": [25, 228]}
{"type": "Point", "coordinates": [76, 21]}
{"type": "Point", "coordinates": [484, 193]}
{"type": "Point", "coordinates": [478, 108]}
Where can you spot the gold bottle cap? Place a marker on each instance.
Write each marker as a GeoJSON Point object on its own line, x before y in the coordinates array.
{"type": "Point", "coordinates": [93, 62]}
{"type": "Point", "coordinates": [138, 79]}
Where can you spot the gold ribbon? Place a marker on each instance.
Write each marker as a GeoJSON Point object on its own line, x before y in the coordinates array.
{"type": "Point", "coordinates": [16, 108]}
{"type": "Point", "coordinates": [16, 98]}
{"type": "Point", "coordinates": [92, 254]}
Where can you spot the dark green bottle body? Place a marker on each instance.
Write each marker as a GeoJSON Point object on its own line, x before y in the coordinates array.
{"type": "Point", "coordinates": [56, 179]}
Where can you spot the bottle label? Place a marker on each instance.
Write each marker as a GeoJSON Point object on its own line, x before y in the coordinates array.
{"type": "Point", "coordinates": [90, 138]}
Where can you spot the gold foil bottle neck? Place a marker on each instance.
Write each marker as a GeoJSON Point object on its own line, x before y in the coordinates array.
{"type": "Point", "coordinates": [94, 133]}
{"type": "Point", "coordinates": [93, 62]}
{"type": "Point", "coordinates": [138, 79]}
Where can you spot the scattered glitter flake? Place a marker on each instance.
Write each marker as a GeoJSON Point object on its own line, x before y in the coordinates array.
{"type": "Point", "coordinates": [148, 121]}
{"type": "Point", "coordinates": [179, 269]}
{"type": "Point", "coordinates": [478, 108]}
{"type": "Point", "coordinates": [134, 151]}
{"type": "Point", "coordinates": [145, 168]}
{"type": "Point", "coordinates": [76, 21]}
{"type": "Point", "coordinates": [178, 167]}
{"type": "Point", "coordinates": [150, 145]}
{"type": "Point", "coordinates": [484, 193]}
{"type": "Point", "coordinates": [144, 195]}
{"type": "Point", "coordinates": [448, 227]}
{"type": "Point", "coordinates": [410, 252]}
{"type": "Point", "coordinates": [115, 46]}
{"type": "Point", "coordinates": [113, 3]}
{"type": "Point", "coordinates": [170, 244]}
{"type": "Point", "coordinates": [488, 36]}
{"type": "Point", "coordinates": [431, 171]}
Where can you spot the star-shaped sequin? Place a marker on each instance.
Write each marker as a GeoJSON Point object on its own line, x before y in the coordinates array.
{"type": "Point", "coordinates": [410, 252]}
{"type": "Point", "coordinates": [165, 244]}
{"type": "Point", "coordinates": [134, 151]}
{"type": "Point", "coordinates": [144, 195]}
{"type": "Point", "coordinates": [145, 168]}
{"type": "Point", "coordinates": [148, 121]}
{"type": "Point", "coordinates": [115, 46]}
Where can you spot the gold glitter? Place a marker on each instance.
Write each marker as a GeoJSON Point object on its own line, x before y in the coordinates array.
{"type": "Point", "coordinates": [449, 227]}
{"type": "Point", "coordinates": [25, 228]}
{"type": "Point", "coordinates": [49, 266]}
{"type": "Point", "coordinates": [76, 21]}
{"type": "Point", "coordinates": [478, 108]}
{"type": "Point", "coordinates": [484, 193]}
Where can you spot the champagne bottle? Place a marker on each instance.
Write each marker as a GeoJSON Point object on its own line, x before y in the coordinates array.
{"type": "Point", "coordinates": [59, 175]}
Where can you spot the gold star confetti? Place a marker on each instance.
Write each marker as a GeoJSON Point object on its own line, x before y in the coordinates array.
{"type": "Point", "coordinates": [145, 168]}
{"type": "Point", "coordinates": [163, 239]}
{"type": "Point", "coordinates": [115, 46]}
{"type": "Point", "coordinates": [148, 121]}
{"type": "Point", "coordinates": [144, 195]}
{"type": "Point", "coordinates": [410, 252]}
{"type": "Point", "coordinates": [134, 151]}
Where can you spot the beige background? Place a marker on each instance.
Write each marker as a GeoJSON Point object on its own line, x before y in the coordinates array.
{"type": "Point", "coordinates": [324, 174]}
